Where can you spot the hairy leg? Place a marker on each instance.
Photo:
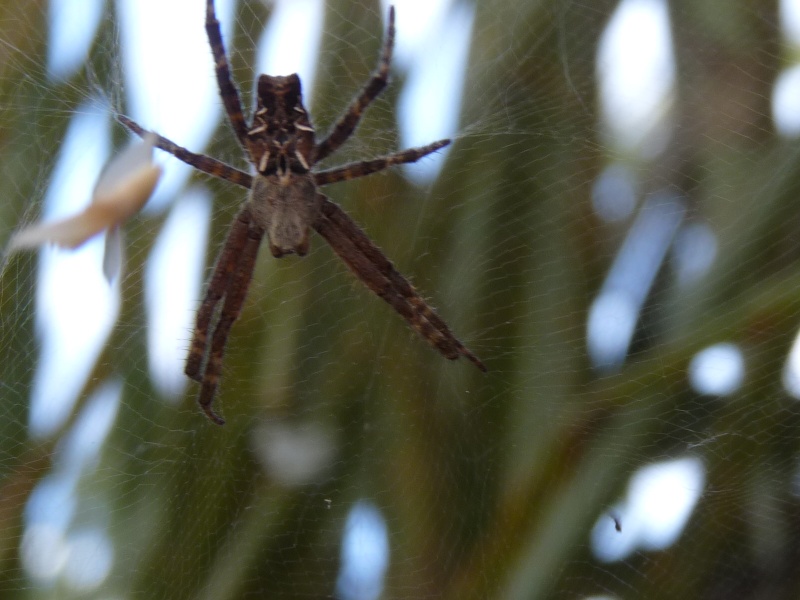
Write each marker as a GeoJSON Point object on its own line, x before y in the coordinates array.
{"type": "Point", "coordinates": [377, 272]}
{"type": "Point", "coordinates": [345, 127]}
{"type": "Point", "coordinates": [367, 167]}
{"type": "Point", "coordinates": [203, 163]}
{"type": "Point", "coordinates": [231, 309]}
{"type": "Point", "coordinates": [227, 90]}
{"type": "Point", "coordinates": [217, 287]}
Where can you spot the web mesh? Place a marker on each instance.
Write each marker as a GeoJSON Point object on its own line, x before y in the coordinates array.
{"type": "Point", "coordinates": [631, 289]}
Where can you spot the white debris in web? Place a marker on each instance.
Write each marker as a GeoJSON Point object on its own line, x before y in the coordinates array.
{"type": "Point", "coordinates": [121, 191]}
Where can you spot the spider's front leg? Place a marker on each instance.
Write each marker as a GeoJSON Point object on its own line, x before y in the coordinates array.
{"type": "Point", "coordinates": [345, 127]}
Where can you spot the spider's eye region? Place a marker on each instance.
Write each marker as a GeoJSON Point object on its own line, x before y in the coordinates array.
{"type": "Point", "coordinates": [280, 95]}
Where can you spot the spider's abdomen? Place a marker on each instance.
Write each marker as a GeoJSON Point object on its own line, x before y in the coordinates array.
{"type": "Point", "coordinates": [285, 208]}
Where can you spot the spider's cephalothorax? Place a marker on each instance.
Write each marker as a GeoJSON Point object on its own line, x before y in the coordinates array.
{"type": "Point", "coordinates": [283, 196]}
{"type": "Point", "coordinates": [281, 138]}
{"type": "Point", "coordinates": [285, 201]}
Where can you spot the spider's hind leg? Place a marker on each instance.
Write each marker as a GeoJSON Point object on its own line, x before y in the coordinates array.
{"type": "Point", "coordinates": [235, 295]}
{"type": "Point", "coordinates": [377, 272]}
{"type": "Point", "coordinates": [218, 286]}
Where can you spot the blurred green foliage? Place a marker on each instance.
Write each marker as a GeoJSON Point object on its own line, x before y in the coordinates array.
{"type": "Point", "coordinates": [490, 485]}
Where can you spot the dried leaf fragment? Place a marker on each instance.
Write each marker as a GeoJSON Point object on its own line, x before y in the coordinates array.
{"type": "Point", "coordinates": [121, 191]}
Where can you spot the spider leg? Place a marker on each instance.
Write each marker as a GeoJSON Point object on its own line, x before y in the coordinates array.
{"type": "Point", "coordinates": [345, 127]}
{"type": "Point", "coordinates": [235, 295]}
{"type": "Point", "coordinates": [218, 286]}
{"type": "Point", "coordinates": [367, 167]}
{"type": "Point", "coordinates": [203, 163]}
{"type": "Point", "coordinates": [227, 90]}
{"type": "Point", "coordinates": [370, 265]}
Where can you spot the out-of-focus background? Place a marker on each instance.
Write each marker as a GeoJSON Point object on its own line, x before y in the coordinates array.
{"type": "Point", "coordinates": [615, 231]}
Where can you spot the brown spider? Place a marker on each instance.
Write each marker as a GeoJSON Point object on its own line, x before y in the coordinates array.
{"type": "Point", "coordinates": [284, 201]}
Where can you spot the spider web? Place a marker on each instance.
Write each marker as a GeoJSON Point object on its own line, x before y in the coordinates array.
{"type": "Point", "coordinates": [613, 232]}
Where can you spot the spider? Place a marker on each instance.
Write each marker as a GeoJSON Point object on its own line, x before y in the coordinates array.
{"type": "Point", "coordinates": [284, 202]}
